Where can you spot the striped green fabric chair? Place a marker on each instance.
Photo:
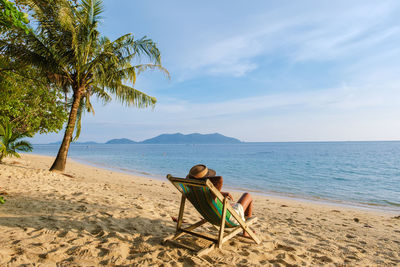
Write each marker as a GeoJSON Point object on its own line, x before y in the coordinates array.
{"type": "Point", "coordinates": [214, 208]}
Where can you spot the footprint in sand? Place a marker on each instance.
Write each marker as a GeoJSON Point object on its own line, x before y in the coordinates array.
{"type": "Point", "coordinates": [244, 253]}
{"type": "Point", "coordinates": [301, 240]}
{"type": "Point", "coordinates": [313, 250]}
{"type": "Point", "coordinates": [73, 250]}
{"type": "Point", "coordinates": [103, 252]}
{"type": "Point", "coordinates": [295, 233]}
{"type": "Point", "coordinates": [351, 258]}
{"type": "Point", "coordinates": [285, 248]}
{"type": "Point", "coordinates": [358, 248]}
{"type": "Point", "coordinates": [43, 255]}
{"type": "Point", "coordinates": [323, 259]}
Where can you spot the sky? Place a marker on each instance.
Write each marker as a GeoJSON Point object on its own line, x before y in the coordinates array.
{"type": "Point", "coordinates": [259, 71]}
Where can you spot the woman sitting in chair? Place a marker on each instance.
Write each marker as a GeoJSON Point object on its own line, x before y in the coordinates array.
{"type": "Point", "coordinates": [244, 206]}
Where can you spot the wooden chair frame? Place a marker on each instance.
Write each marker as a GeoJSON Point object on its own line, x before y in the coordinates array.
{"type": "Point", "coordinates": [223, 234]}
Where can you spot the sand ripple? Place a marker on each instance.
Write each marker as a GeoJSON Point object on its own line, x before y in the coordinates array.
{"type": "Point", "coordinates": [93, 217]}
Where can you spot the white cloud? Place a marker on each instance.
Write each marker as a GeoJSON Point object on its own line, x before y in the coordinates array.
{"type": "Point", "coordinates": [331, 32]}
{"type": "Point", "coordinates": [358, 38]}
{"type": "Point", "coordinates": [367, 112]}
{"type": "Point", "coordinates": [344, 98]}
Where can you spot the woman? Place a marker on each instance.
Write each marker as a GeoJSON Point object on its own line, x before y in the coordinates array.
{"type": "Point", "coordinates": [244, 207]}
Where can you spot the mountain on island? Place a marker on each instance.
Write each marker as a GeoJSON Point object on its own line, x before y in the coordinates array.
{"type": "Point", "coordinates": [121, 141]}
{"type": "Point", "coordinates": [194, 138]}
{"type": "Point", "coordinates": [177, 138]}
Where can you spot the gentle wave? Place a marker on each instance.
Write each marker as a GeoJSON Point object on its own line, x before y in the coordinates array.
{"type": "Point", "coordinates": [363, 173]}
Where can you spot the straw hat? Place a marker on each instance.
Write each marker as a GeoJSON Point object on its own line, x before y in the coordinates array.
{"type": "Point", "coordinates": [200, 171]}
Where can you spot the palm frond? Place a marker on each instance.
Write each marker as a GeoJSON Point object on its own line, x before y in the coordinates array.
{"type": "Point", "coordinates": [78, 125]}
{"type": "Point", "coordinates": [144, 67]}
{"type": "Point", "coordinates": [132, 97]}
{"type": "Point", "coordinates": [84, 105]}
{"type": "Point", "coordinates": [24, 146]}
{"type": "Point", "coordinates": [102, 94]}
{"type": "Point", "coordinates": [9, 144]}
{"type": "Point", "coordinates": [13, 153]}
{"type": "Point", "coordinates": [2, 147]}
{"type": "Point", "coordinates": [2, 131]}
{"type": "Point", "coordinates": [92, 10]}
{"type": "Point", "coordinates": [148, 47]}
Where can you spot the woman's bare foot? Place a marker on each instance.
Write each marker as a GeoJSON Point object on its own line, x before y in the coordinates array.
{"type": "Point", "coordinates": [246, 235]}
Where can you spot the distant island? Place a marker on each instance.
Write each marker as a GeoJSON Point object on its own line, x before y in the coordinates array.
{"type": "Point", "coordinates": [121, 141]}
{"type": "Point", "coordinates": [177, 138]}
{"type": "Point", "coordinates": [194, 138]}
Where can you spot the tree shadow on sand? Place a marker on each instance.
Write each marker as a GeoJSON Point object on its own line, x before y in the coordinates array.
{"type": "Point", "coordinates": [79, 231]}
{"type": "Point", "coordinates": [56, 215]}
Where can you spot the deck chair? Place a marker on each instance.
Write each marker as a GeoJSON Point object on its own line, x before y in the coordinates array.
{"type": "Point", "coordinates": [215, 210]}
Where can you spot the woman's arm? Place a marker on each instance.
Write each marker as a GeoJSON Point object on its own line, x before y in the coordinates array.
{"type": "Point", "coordinates": [218, 182]}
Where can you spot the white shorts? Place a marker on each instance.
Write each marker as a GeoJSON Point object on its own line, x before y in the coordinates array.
{"type": "Point", "coordinates": [239, 210]}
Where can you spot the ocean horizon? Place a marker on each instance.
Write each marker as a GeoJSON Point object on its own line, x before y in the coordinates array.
{"type": "Point", "coordinates": [355, 173]}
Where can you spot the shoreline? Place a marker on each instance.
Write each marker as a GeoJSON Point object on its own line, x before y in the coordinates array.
{"type": "Point", "coordinates": [93, 216]}
{"type": "Point", "coordinates": [392, 210]}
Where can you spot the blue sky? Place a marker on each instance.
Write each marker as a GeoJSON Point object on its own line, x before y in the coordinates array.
{"type": "Point", "coordinates": [260, 70]}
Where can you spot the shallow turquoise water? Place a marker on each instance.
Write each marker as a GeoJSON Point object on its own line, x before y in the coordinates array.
{"type": "Point", "coordinates": [361, 173]}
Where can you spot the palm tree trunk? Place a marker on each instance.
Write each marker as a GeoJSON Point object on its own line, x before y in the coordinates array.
{"type": "Point", "coordinates": [61, 159]}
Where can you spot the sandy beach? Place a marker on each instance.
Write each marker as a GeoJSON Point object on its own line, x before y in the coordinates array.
{"type": "Point", "coordinates": [91, 216]}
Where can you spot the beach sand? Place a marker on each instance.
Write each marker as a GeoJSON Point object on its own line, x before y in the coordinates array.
{"type": "Point", "coordinates": [91, 216]}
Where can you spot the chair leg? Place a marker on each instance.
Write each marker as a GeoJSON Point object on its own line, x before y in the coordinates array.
{"type": "Point", "coordinates": [222, 226]}
{"type": "Point", "coordinates": [245, 227]}
{"type": "Point", "coordinates": [189, 228]}
{"type": "Point", "coordinates": [180, 216]}
{"type": "Point", "coordinates": [238, 229]}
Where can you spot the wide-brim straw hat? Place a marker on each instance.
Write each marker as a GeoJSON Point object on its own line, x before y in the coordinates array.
{"type": "Point", "coordinates": [201, 171]}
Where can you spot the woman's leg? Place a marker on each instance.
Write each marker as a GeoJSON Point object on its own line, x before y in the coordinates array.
{"type": "Point", "coordinates": [247, 203]}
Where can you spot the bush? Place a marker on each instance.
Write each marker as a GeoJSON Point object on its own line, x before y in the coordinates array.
{"type": "Point", "coordinates": [10, 141]}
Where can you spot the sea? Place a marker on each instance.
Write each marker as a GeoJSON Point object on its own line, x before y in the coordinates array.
{"type": "Point", "coordinates": [362, 174]}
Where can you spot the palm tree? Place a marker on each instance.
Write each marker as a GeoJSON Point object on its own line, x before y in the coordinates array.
{"type": "Point", "coordinates": [10, 142]}
{"type": "Point", "coordinates": [68, 49]}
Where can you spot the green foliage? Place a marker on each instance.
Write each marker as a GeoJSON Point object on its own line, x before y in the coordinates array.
{"type": "Point", "coordinates": [10, 141]}
{"type": "Point", "coordinates": [69, 51]}
{"type": "Point", "coordinates": [2, 200]}
{"type": "Point", "coordinates": [10, 16]}
{"type": "Point", "coordinates": [29, 104]}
